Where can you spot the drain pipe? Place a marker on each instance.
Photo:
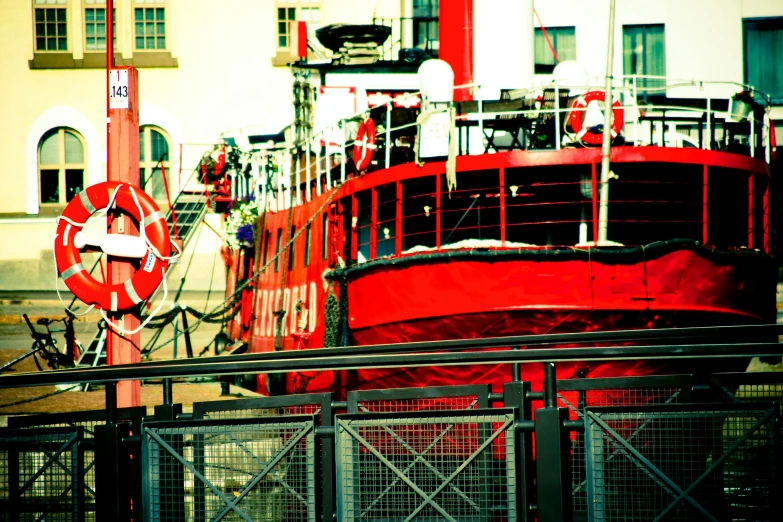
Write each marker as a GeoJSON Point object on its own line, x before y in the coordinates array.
{"type": "Point", "coordinates": [603, 209]}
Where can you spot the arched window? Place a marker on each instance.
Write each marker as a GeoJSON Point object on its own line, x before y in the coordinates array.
{"type": "Point", "coordinates": [154, 157]}
{"type": "Point", "coordinates": [61, 164]}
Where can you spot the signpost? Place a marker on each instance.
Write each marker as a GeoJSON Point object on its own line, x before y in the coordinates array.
{"type": "Point", "coordinates": [122, 164]}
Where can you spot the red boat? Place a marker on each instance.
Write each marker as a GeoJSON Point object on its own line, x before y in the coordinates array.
{"type": "Point", "coordinates": [503, 225]}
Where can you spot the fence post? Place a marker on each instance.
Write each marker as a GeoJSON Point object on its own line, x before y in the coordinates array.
{"type": "Point", "coordinates": [553, 456]}
{"type": "Point", "coordinates": [109, 469]}
{"type": "Point", "coordinates": [515, 395]}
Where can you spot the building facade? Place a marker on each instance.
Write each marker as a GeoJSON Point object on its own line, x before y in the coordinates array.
{"type": "Point", "coordinates": [207, 68]}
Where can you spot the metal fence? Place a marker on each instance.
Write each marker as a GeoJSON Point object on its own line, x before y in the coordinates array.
{"type": "Point", "coordinates": [679, 447]}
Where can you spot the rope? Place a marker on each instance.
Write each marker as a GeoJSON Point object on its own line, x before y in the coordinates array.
{"type": "Point", "coordinates": [236, 295]}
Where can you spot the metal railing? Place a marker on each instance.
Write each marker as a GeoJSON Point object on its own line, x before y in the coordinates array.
{"type": "Point", "coordinates": [677, 446]}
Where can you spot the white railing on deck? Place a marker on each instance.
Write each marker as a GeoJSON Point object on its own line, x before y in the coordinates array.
{"type": "Point", "coordinates": [326, 154]}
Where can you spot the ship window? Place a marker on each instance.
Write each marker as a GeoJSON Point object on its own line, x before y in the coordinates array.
{"type": "Point", "coordinates": [472, 211]}
{"type": "Point", "coordinates": [307, 246]}
{"type": "Point", "coordinates": [387, 218]}
{"type": "Point", "coordinates": [562, 41]}
{"type": "Point", "coordinates": [651, 202]}
{"type": "Point", "coordinates": [644, 53]}
{"type": "Point", "coordinates": [51, 26]}
{"type": "Point", "coordinates": [291, 249]}
{"type": "Point", "coordinates": [418, 213]}
{"type": "Point", "coordinates": [547, 205]}
{"type": "Point", "coordinates": [277, 252]}
{"type": "Point", "coordinates": [61, 164]}
{"type": "Point", "coordinates": [325, 236]}
{"type": "Point", "coordinates": [364, 206]}
{"type": "Point", "coordinates": [727, 208]}
{"type": "Point", "coordinates": [154, 160]}
{"type": "Point", "coordinates": [763, 45]}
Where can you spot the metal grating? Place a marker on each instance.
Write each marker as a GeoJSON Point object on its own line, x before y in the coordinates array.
{"type": "Point", "coordinates": [243, 469]}
{"type": "Point", "coordinates": [87, 421]}
{"type": "Point", "coordinates": [41, 474]}
{"type": "Point", "coordinates": [438, 398]}
{"type": "Point", "coordinates": [699, 462]}
{"type": "Point", "coordinates": [577, 401]}
{"type": "Point", "coordinates": [432, 466]}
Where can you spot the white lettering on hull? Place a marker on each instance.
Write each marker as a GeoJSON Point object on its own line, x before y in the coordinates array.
{"type": "Point", "coordinates": [300, 304]}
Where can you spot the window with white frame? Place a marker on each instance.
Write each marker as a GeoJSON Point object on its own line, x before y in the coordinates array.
{"type": "Point", "coordinates": [51, 25]}
{"type": "Point", "coordinates": [553, 45]}
{"type": "Point", "coordinates": [61, 165]}
{"type": "Point", "coordinates": [154, 160]}
{"type": "Point", "coordinates": [644, 55]}
{"type": "Point", "coordinates": [149, 18]}
{"type": "Point", "coordinates": [95, 25]}
{"type": "Point", "coordinates": [291, 11]}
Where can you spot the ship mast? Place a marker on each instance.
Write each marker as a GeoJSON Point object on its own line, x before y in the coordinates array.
{"type": "Point", "coordinates": [603, 209]}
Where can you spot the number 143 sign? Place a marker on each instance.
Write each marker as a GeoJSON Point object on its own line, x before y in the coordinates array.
{"type": "Point", "coordinates": [118, 89]}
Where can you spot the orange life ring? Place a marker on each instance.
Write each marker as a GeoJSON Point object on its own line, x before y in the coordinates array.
{"type": "Point", "coordinates": [364, 145]}
{"type": "Point", "coordinates": [577, 118]}
{"type": "Point", "coordinates": [126, 295]}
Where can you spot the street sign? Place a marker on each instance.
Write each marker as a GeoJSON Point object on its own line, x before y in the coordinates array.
{"type": "Point", "coordinates": [118, 89]}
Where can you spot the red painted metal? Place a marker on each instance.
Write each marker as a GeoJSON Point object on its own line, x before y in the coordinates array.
{"type": "Point", "coordinates": [766, 219]}
{"type": "Point", "coordinates": [502, 180]}
{"type": "Point", "coordinates": [456, 42]}
{"type": "Point", "coordinates": [750, 211]}
{"type": "Point", "coordinates": [705, 215]}
{"type": "Point", "coordinates": [594, 181]}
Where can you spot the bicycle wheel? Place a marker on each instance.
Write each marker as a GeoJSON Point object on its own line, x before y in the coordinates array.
{"type": "Point", "coordinates": [48, 355]}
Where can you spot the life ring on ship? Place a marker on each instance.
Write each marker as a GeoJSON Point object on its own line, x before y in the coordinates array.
{"type": "Point", "coordinates": [577, 118]}
{"type": "Point", "coordinates": [154, 234]}
{"type": "Point", "coordinates": [364, 145]}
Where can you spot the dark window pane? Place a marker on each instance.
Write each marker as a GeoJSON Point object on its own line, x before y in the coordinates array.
{"type": "Point", "coordinates": [40, 16]}
{"type": "Point", "coordinates": [74, 181]}
{"type": "Point", "coordinates": [281, 27]}
{"type": "Point", "coordinates": [280, 13]}
{"type": "Point", "coordinates": [100, 14]}
{"type": "Point", "coordinates": [40, 44]}
{"type": "Point", "coordinates": [61, 15]}
{"type": "Point", "coordinates": [62, 44]}
{"type": "Point", "coordinates": [141, 144]}
{"type": "Point", "coordinates": [89, 30]}
{"type": "Point", "coordinates": [161, 29]}
{"type": "Point", "coordinates": [159, 14]}
{"type": "Point", "coordinates": [61, 30]}
{"type": "Point", "coordinates": [282, 41]}
{"type": "Point", "coordinates": [50, 186]}
{"type": "Point", "coordinates": [51, 44]}
{"type": "Point", "coordinates": [40, 29]}
{"type": "Point", "coordinates": [763, 43]}
{"type": "Point", "coordinates": [150, 43]}
{"type": "Point", "coordinates": [50, 15]}
{"type": "Point", "coordinates": [139, 15]}
{"type": "Point", "coordinates": [161, 42]}
{"type": "Point", "coordinates": [159, 145]}
{"type": "Point", "coordinates": [644, 53]}
{"type": "Point", "coordinates": [139, 42]}
{"type": "Point", "coordinates": [89, 15]}
{"type": "Point", "coordinates": [291, 13]}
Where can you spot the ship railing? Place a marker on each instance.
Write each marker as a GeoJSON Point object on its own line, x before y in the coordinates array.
{"type": "Point", "coordinates": [318, 164]}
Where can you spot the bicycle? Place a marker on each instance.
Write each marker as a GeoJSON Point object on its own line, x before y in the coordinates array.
{"type": "Point", "coordinates": [44, 350]}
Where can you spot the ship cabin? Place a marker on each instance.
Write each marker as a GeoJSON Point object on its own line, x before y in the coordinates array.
{"type": "Point", "coordinates": [416, 219]}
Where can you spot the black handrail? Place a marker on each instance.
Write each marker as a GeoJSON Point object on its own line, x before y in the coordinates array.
{"type": "Point", "coordinates": [427, 354]}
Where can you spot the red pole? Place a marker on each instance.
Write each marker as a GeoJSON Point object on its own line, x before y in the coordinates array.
{"type": "Point", "coordinates": [595, 204]}
{"type": "Point", "coordinates": [750, 210]}
{"type": "Point", "coordinates": [456, 42]}
{"type": "Point", "coordinates": [502, 206]}
{"type": "Point", "coordinates": [704, 215]}
{"type": "Point", "coordinates": [122, 164]}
